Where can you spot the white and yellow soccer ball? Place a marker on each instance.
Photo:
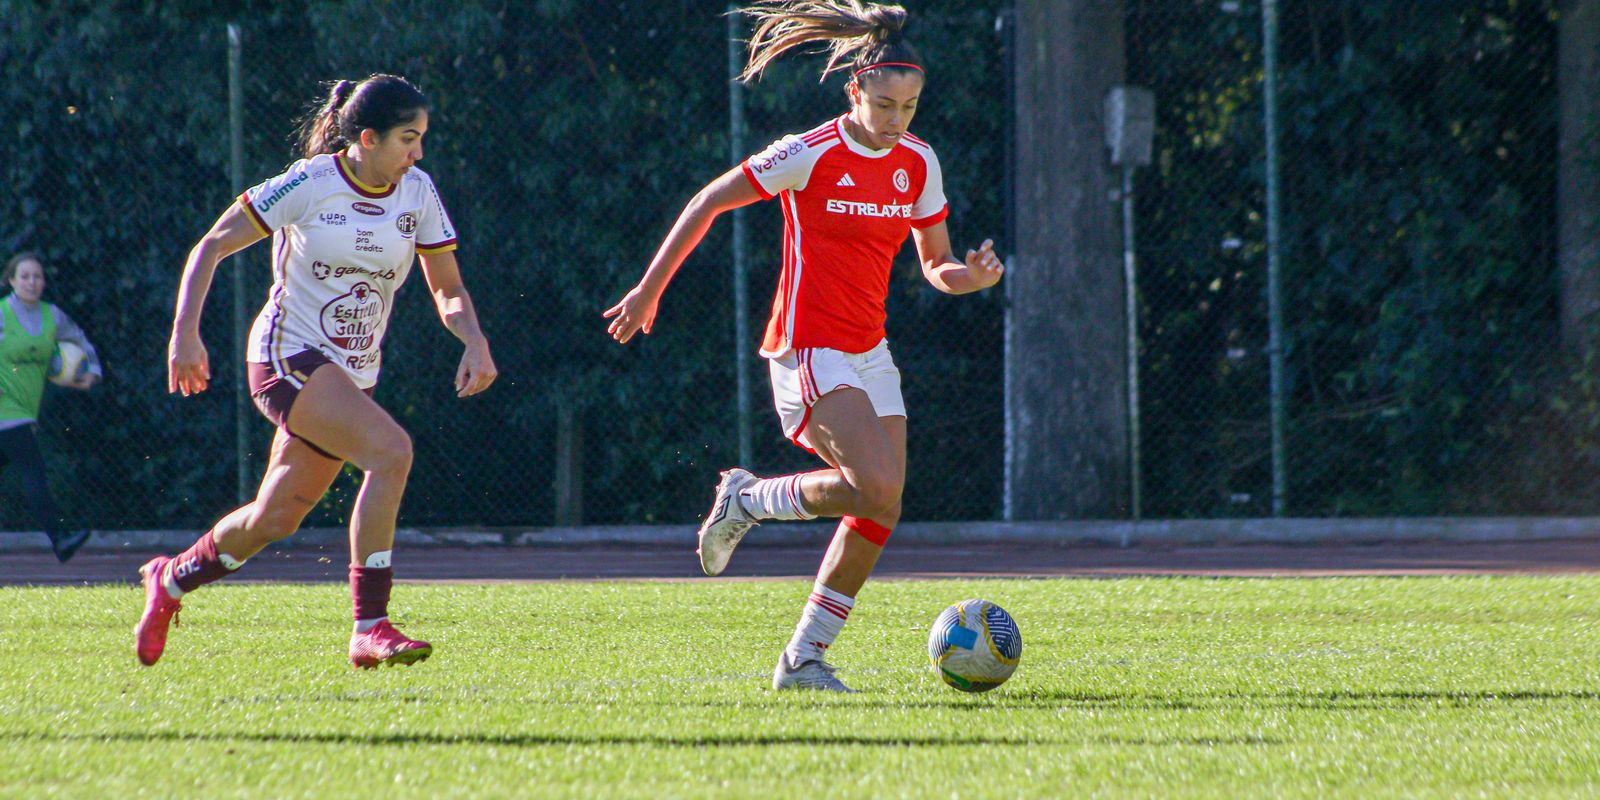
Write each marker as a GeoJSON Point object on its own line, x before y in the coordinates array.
{"type": "Point", "coordinates": [68, 364]}
{"type": "Point", "coordinates": [974, 645]}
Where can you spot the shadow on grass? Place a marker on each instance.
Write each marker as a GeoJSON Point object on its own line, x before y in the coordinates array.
{"type": "Point", "coordinates": [565, 740]}
{"type": "Point", "coordinates": [1331, 700]}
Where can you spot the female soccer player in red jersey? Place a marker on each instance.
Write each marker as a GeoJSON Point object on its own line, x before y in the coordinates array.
{"type": "Point", "coordinates": [851, 190]}
{"type": "Point", "coordinates": [346, 222]}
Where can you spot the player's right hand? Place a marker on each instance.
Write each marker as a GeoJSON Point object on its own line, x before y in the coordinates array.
{"type": "Point", "coordinates": [188, 365]}
{"type": "Point", "coordinates": [635, 312]}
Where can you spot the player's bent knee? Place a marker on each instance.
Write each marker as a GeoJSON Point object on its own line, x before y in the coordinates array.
{"type": "Point", "coordinates": [393, 455]}
{"type": "Point", "coordinates": [888, 519]}
{"type": "Point", "coordinates": [878, 494]}
{"type": "Point", "coordinates": [869, 530]}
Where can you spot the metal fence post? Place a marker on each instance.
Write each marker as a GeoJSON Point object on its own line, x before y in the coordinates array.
{"type": "Point", "coordinates": [241, 324]}
{"type": "Point", "coordinates": [1269, 47]}
{"type": "Point", "coordinates": [741, 274]}
{"type": "Point", "coordinates": [1130, 277]}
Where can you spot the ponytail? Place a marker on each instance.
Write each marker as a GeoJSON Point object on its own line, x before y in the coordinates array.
{"type": "Point", "coordinates": [858, 35]}
{"type": "Point", "coordinates": [319, 131]}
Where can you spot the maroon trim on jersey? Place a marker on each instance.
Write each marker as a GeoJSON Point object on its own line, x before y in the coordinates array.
{"type": "Point", "coordinates": [348, 173]}
{"type": "Point", "coordinates": [434, 249]}
{"type": "Point", "coordinates": [255, 216]}
{"type": "Point", "coordinates": [280, 276]}
{"type": "Point", "coordinates": [928, 222]}
{"type": "Point", "coordinates": [762, 190]}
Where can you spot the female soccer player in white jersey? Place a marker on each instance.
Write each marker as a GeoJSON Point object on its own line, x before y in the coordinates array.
{"type": "Point", "coordinates": [851, 188]}
{"type": "Point", "coordinates": [346, 222]}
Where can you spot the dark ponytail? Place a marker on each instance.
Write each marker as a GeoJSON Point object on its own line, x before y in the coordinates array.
{"type": "Point", "coordinates": [380, 102]}
{"type": "Point", "coordinates": [858, 35]}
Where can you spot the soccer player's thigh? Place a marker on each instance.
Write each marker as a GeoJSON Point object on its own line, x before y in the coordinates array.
{"type": "Point", "coordinates": [332, 413]}
{"type": "Point", "coordinates": [847, 432]}
{"type": "Point", "coordinates": [297, 476]}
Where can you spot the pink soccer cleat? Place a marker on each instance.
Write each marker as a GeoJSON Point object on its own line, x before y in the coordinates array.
{"type": "Point", "coordinates": [385, 645]}
{"type": "Point", "coordinates": [160, 610]}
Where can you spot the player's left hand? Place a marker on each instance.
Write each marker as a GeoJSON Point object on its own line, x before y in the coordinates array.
{"type": "Point", "coordinates": [477, 369]}
{"type": "Point", "coordinates": [984, 266]}
{"type": "Point", "coordinates": [635, 312]}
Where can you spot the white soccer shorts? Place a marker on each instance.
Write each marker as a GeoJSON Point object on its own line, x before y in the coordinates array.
{"type": "Point", "coordinates": [802, 376]}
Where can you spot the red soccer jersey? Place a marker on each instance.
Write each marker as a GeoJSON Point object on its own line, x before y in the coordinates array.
{"type": "Point", "coordinates": [847, 209]}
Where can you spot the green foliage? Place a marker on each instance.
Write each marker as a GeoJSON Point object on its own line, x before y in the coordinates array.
{"type": "Point", "coordinates": [1418, 166]}
{"type": "Point", "coordinates": [566, 137]}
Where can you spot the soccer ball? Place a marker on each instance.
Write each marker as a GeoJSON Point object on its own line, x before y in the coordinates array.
{"type": "Point", "coordinates": [68, 364]}
{"type": "Point", "coordinates": [974, 645]}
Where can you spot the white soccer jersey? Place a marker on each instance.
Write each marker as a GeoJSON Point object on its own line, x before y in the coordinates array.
{"type": "Point", "coordinates": [340, 250]}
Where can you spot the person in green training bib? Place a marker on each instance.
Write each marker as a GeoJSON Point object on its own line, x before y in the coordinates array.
{"type": "Point", "coordinates": [29, 331]}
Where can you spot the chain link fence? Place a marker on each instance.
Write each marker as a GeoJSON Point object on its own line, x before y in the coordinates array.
{"type": "Point", "coordinates": [565, 138]}
{"type": "Point", "coordinates": [1422, 373]}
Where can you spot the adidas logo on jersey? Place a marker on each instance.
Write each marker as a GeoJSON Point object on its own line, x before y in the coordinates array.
{"type": "Point", "coordinates": [845, 181]}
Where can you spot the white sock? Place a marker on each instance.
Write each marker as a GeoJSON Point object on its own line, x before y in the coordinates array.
{"type": "Point", "coordinates": [825, 615]}
{"type": "Point", "coordinates": [364, 625]}
{"type": "Point", "coordinates": [170, 584]}
{"type": "Point", "coordinates": [775, 498]}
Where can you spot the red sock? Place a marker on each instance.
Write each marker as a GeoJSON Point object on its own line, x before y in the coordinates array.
{"type": "Point", "coordinates": [869, 530]}
{"type": "Point", "coordinates": [369, 587]}
{"type": "Point", "coordinates": [199, 565]}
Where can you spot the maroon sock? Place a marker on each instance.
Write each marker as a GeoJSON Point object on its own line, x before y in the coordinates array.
{"type": "Point", "coordinates": [369, 587]}
{"type": "Point", "coordinates": [199, 565]}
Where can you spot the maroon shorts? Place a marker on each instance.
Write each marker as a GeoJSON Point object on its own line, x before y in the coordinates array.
{"type": "Point", "coordinates": [274, 392]}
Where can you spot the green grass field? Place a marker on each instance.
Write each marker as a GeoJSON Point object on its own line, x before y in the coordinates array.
{"type": "Point", "coordinates": [1139, 687]}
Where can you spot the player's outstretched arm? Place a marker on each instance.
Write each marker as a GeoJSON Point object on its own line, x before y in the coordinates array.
{"type": "Point", "coordinates": [188, 365]}
{"type": "Point", "coordinates": [981, 269]}
{"type": "Point", "coordinates": [636, 311]}
{"type": "Point", "coordinates": [477, 369]}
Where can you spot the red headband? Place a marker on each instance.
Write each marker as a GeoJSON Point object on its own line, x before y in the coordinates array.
{"type": "Point", "coordinates": [905, 64]}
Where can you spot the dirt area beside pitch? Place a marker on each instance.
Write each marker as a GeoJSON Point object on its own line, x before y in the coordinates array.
{"type": "Point", "coordinates": [907, 561]}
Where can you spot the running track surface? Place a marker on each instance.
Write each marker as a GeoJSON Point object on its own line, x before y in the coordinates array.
{"type": "Point", "coordinates": [907, 561]}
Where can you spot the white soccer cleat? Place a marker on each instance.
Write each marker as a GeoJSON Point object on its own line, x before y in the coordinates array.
{"type": "Point", "coordinates": [727, 523]}
{"type": "Point", "coordinates": [815, 675]}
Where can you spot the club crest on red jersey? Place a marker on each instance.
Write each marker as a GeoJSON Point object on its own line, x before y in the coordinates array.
{"type": "Point", "coordinates": [902, 181]}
